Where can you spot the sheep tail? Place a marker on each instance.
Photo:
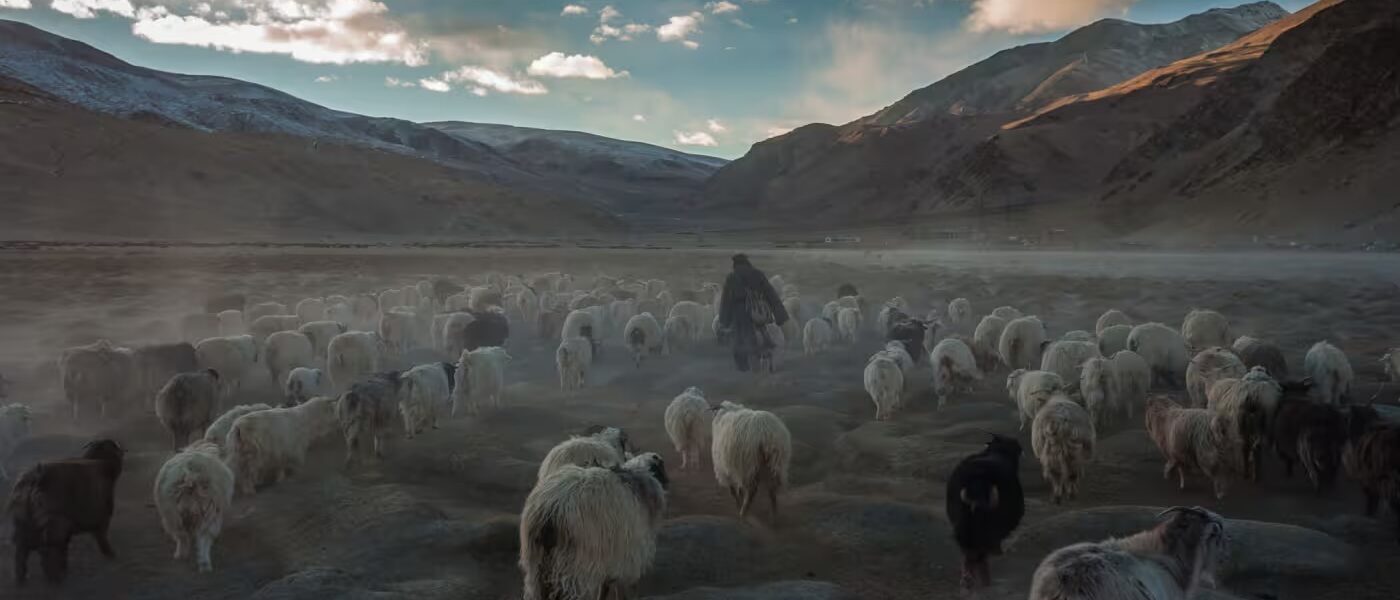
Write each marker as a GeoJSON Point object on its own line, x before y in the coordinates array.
{"type": "Point", "coordinates": [192, 505]}
{"type": "Point", "coordinates": [541, 540]}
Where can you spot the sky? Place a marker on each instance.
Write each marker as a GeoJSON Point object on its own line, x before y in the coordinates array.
{"type": "Point", "coordinates": [711, 77]}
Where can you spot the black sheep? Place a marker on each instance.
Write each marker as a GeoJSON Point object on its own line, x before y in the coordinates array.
{"type": "Point", "coordinates": [1372, 458]}
{"type": "Point", "coordinates": [55, 500]}
{"type": "Point", "coordinates": [909, 333]}
{"type": "Point", "coordinates": [490, 328]}
{"type": "Point", "coordinates": [985, 504]}
{"type": "Point", "coordinates": [1308, 432]}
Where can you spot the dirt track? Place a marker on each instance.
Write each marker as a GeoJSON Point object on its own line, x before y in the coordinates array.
{"type": "Point", "coordinates": [436, 519]}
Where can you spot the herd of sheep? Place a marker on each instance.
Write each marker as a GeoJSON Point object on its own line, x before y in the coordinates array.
{"type": "Point", "coordinates": [350, 365]}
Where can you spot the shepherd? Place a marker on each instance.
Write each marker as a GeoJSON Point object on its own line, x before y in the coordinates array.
{"type": "Point", "coordinates": [747, 306]}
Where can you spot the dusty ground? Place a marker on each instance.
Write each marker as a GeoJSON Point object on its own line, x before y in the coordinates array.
{"type": "Point", "coordinates": [437, 518]}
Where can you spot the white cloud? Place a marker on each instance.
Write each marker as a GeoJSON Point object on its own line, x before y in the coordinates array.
{"type": "Point", "coordinates": [639, 118]}
{"type": "Point", "coordinates": [556, 64]}
{"type": "Point", "coordinates": [608, 14]}
{"type": "Point", "coordinates": [434, 85]}
{"type": "Point", "coordinates": [396, 82]}
{"type": "Point", "coordinates": [573, 9]}
{"type": "Point", "coordinates": [491, 80]}
{"type": "Point", "coordinates": [740, 23]}
{"type": "Point", "coordinates": [87, 9]}
{"type": "Point", "coordinates": [326, 79]}
{"type": "Point", "coordinates": [715, 126]}
{"type": "Point", "coordinates": [692, 44]}
{"type": "Point", "coordinates": [479, 91]}
{"type": "Point", "coordinates": [721, 7]}
{"type": "Point", "coordinates": [680, 28]}
{"type": "Point", "coordinates": [694, 138]}
{"type": "Point", "coordinates": [624, 33]}
{"type": "Point", "coordinates": [19, 4]}
{"type": "Point", "coordinates": [792, 20]}
{"type": "Point", "coordinates": [315, 31]}
{"type": "Point", "coordinates": [1037, 16]}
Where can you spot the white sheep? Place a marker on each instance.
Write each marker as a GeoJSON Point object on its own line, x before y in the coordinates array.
{"type": "Point", "coordinates": [452, 330]}
{"type": "Point", "coordinates": [99, 373]}
{"type": "Point", "coordinates": [1030, 390]}
{"type": "Point", "coordinates": [287, 350]}
{"type": "Point", "coordinates": [986, 337]}
{"type": "Point", "coordinates": [605, 447]}
{"type": "Point", "coordinates": [1171, 561]}
{"type": "Point", "coordinates": [884, 381]}
{"type": "Point", "coordinates": [580, 323]}
{"type": "Point", "coordinates": [365, 413]}
{"type": "Point", "coordinates": [1190, 439]}
{"type": "Point", "coordinates": [1205, 329]}
{"type": "Point", "coordinates": [390, 298]}
{"type": "Point", "coordinates": [1079, 335]}
{"type": "Point", "coordinates": [1066, 359]}
{"type": "Point", "coordinates": [193, 492]}
{"type": "Point", "coordinates": [1110, 318]}
{"type": "Point", "coordinates": [830, 310]}
{"type": "Point", "coordinates": [1114, 339]}
{"type": "Point", "coordinates": [1006, 313]}
{"type": "Point", "coordinates": [185, 405]}
{"type": "Point", "coordinates": [320, 334]}
{"type": "Point", "coordinates": [482, 376]}
{"type": "Point", "coordinates": [269, 324]}
{"type": "Point", "coordinates": [954, 368]}
{"type": "Point", "coordinates": [816, 336]}
{"type": "Point", "coordinates": [425, 396]}
{"type": "Point", "coordinates": [310, 310]}
{"type": "Point", "coordinates": [885, 317]}
{"type": "Point", "coordinates": [693, 311]}
{"type": "Point", "coordinates": [352, 356]}
{"type": "Point", "coordinates": [750, 450]}
{"type": "Point", "coordinates": [1021, 343]}
{"type": "Point", "coordinates": [848, 325]}
{"type": "Point", "coordinates": [527, 303]}
{"type": "Point", "coordinates": [235, 358]}
{"type": "Point", "coordinates": [960, 315]}
{"type": "Point", "coordinates": [340, 313]}
{"type": "Point", "coordinates": [302, 384]}
{"type": "Point", "coordinates": [622, 311]}
{"type": "Point", "coordinates": [197, 326]}
{"type": "Point", "coordinates": [399, 328]}
{"type": "Point", "coordinates": [231, 323]}
{"type": "Point", "coordinates": [687, 422]}
{"type": "Point", "coordinates": [365, 313]}
{"type": "Point", "coordinates": [573, 359]}
{"type": "Point", "coordinates": [268, 445]}
{"type": "Point", "coordinates": [1114, 386]}
{"type": "Point", "coordinates": [411, 296]}
{"type": "Point", "coordinates": [1330, 371]}
{"type": "Point", "coordinates": [217, 432]}
{"type": "Point", "coordinates": [1164, 350]}
{"type": "Point", "coordinates": [262, 309]}
{"type": "Point", "coordinates": [896, 350]}
{"type": "Point", "coordinates": [678, 334]}
{"type": "Point", "coordinates": [643, 336]}
{"type": "Point", "coordinates": [15, 421]}
{"type": "Point", "coordinates": [1206, 368]}
{"type": "Point", "coordinates": [1246, 405]}
{"type": "Point", "coordinates": [1062, 436]}
{"type": "Point", "coordinates": [609, 517]}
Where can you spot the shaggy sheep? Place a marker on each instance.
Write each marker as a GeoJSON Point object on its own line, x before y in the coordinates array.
{"type": "Point", "coordinates": [320, 333]}
{"type": "Point", "coordinates": [412, 297]}
{"type": "Point", "coordinates": [985, 340]}
{"type": "Point", "coordinates": [425, 396]}
{"type": "Point", "coordinates": [678, 334]}
{"type": "Point", "coordinates": [687, 422]}
{"type": "Point", "coordinates": [954, 368]}
{"type": "Point", "coordinates": [287, 350]}
{"type": "Point", "coordinates": [193, 491]}
{"type": "Point", "coordinates": [451, 331]}
{"type": "Point", "coordinates": [1206, 368]}
{"type": "Point", "coordinates": [197, 326]}
{"type": "Point", "coordinates": [57, 499]}
{"type": "Point", "coordinates": [489, 328]}
{"type": "Point", "coordinates": [268, 445]}
{"type": "Point", "coordinates": [1132, 378]}
{"type": "Point", "coordinates": [365, 413]}
{"type": "Point", "coordinates": [750, 450]}
{"type": "Point", "coordinates": [262, 309]}
{"type": "Point", "coordinates": [99, 374]}
{"type": "Point", "coordinates": [816, 336]}
{"type": "Point", "coordinates": [1006, 313]}
{"type": "Point", "coordinates": [235, 358]}
{"type": "Point", "coordinates": [231, 323]}
{"type": "Point", "coordinates": [479, 299]}
{"type": "Point", "coordinates": [482, 373]}
{"type": "Point", "coordinates": [1245, 407]}
{"type": "Point", "coordinates": [1114, 339]}
{"type": "Point", "coordinates": [1190, 439]}
{"type": "Point", "coordinates": [157, 363]}
{"type": "Point", "coordinates": [1164, 350]}
{"type": "Point", "coordinates": [602, 446]}
{"type": "Point", "coordinates": [848, 325]}
{"type": "Point", "coordinates": [310, 310]}
{"type": "Point", "coordinates": [770, 358]}
{"type": "Point", "coordinates": [364, 310]}
{"type": "Point", "coordinates": [984, 503]}
{"type": "Point", "coordinates": [912, 334]}
{"type": "Point", "coordinates": [622, 311]}
{"type": "Point", "coordinates": [1330, 372]}
{"type": "Point", "coordinates": [1205, 329]}
{"type": "Point", "coordinates": [185, 406]}
{"type": "Point", "coordinates": [267, 325]}
{"type": "Point", "coordinates": [1111, 318]}
{"type": "Point", "coordinates": [1030, 390]}
{"type": "Point", "coordinates": [352, 356]}
{"type": "Point", "coordinates": [1171, 561]}
{"type": "Point", "coordinates": [302, 384]}
{"type": "Point", "coordinates": [390, 298]}
{"type": "Point", "coordinates": [895, 309]}
{"type": "Point", "coordinates": [1097, 385]}
{"type": "Point", "coordinates": [573, 359]}
{"type": "Point", "coordinates": [1021, 343]}
{"type": "Point", "coordinates": [1066, 359]}
{"type": "Point", "coordinates": [14, 428]}
{"type": "Point", "coordinates": [643, 336]}
{"type": "Point", "coordinates": [527, 303]}
{"type": "Point", "coordinates": [1062, 437]}
{"type": "Point", "coordinates": [590, 532]}
{"type": "Point", "coordinates": [342, 314]}
{"type": "Point", "coordinates": [830, 310]}
{"type": "Point", "coordinates": [398, 327]}
{"type": "Point", "coordinates": [884, 381]}
{"type": "Point", "coordinates": [1372, 458]}
{"type": "Point", "coordinates": [217, 432]}
{"type": "Point", "coordinates": [791, 327]}
{"type": "Point", "coordinates": [1254, 352]}
{"type": "Point", "coordinates": [960, 315]}
{"type": "Point", "coordinates": [1311, 433]}
{"type": "Point", "coordinates": [580, 323]}
{"type": "Point", "coordinates": [220, 302]}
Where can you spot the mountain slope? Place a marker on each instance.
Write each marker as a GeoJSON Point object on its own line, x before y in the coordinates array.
{"type": "Point", "coordinates": [87, 77]}
{"type": "Point", "coordinates": [925, 153]}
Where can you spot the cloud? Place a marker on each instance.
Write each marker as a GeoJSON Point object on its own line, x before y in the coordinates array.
{"type": "Point", "coordinates": [396, 82]}
{"type": "Point", "coordinates": [87, 9]}
{"type": "Point", "coordinates": [434, 85]}
{"type": "Point", "coordinates": [715, 126]}
{"type": "Point", "coordinates": [1037, 16]}
{"type": "Point", "coordinates": [325, 79]}
{"type": "Point", "coordinates": [573, 9]}
{"type": "Point", "coordinates": [680, 28]}
{"type": "Point", "coordinates": [315, 31]}
{"type": "Point", "coordinates": [694, 138]}
{"type": "Point", "coordinates": [740, 23]}
{"type": "Point", "coordinates": [692, 44]}
{"type": "Point", "coordinates": [17, 4]}
{"type": "Point", "coordinates": [721, 7]}
{"type": "Point", "coordinates": [773, 132]}
{"type": "Point", "coordinates": [792, 20]}
{"type": "Point", "coordinates": [608, 14]}
{"type": "Point", "coordinates": [639, 118]}
{"type": "Point", "coordinates": [556, 64]}
{"type": "Point", "coordinates": [624, 33]}
{"type": "Point", "coordinates": [486, 80]}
